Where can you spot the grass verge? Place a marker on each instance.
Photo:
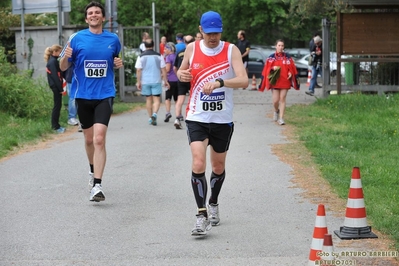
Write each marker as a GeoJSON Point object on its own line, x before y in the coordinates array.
{"type": "Point", "coordinates": [345, 131]}
{"type": "Point", "coordinates": [17, 132]}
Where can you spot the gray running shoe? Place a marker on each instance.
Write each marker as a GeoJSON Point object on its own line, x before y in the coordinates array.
{"type": "Point", "coordinates": [281, 122]}
{"type": "Point", "coordinates": [97, 194]}
{"type": "Point", "coordinates": [201, 226]}
{"type": "Point", "coordinates": [91, 181]}
{"type": "Point", "coordinates": [213, 213]}
{"type": "Point", "coordinates": [177, 124]}
{"type": "Point", "coordinates": [167, 117]}
{"type": "Point", "coordinates": [275, 115]}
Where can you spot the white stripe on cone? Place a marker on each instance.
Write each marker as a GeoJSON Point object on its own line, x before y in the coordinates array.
{"type": "Point", "coordinates": [317, 243]}
{"type": "Point", "coordinates": [355, 203]}
{"type": "Point", "coordinates": [356, 183]}
{"type": "Point", "coordinates": [320, 221]}
{"type": "Point", "coordinates": [355, 222]}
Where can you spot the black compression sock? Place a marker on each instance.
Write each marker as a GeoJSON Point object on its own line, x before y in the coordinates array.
{"type": "Point", "coordinates": [216, 186]}
{"type": "Point", "coordinates": [97, 181]}
{"type": "Point", "coordinates": [200, 187]}
{"type": "Point", "coordinates": [91, 168]}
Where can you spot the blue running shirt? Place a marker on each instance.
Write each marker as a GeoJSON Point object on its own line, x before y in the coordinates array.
{"type": "Point", "coordinates": [93, 64]}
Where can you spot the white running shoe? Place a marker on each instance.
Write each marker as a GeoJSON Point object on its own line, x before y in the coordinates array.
{"type": "Point", "coordinates": [73, 121]}
{"type": "Point", "coordinates": [201, 226]}
{"type": "Point", "coordinates": [177, 124]}
{"type": "Point", "coordinates": [91, 181]}
{"type": "Point", "coordinates": [281, 122]}
{"type": "Point", "coordinates": [97, 194]}
{"type": "Point", "coordinates": [213, 214]}
{"type": "Point", "coordinates": [275, 115]}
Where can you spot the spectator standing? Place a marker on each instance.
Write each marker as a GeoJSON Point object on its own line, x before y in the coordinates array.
{"type": "Point", "coordinates": [162, 45]}
{"type": "Point", "coordinates": [150, 71]}
{"type": "Point", "coordinates": [317, 61]}
{"type": "Point", "coordinates": [312, 46]}
{"type": "Point", "coordinates": [311, 42]}
{"type": "Point", "coordinates": [279, 74]}
{"type": "Point", "coordinates": [214, 68]}
{"type": "Point", "coordinates": [183, 88]}
{"type": "Point", "coordinates": [93, 55]}
{"type": "Point", "coordinates": [71, 98]}
{"type": "Point", "coordinates": [198, 36]}
{"type": "Point", "coordinates": [55, 80]}
{"type": "Point", "coordinates": [170, 56]}
{"type": "Point", "coordinates": [180, 45]}
{"type": "Point", "coordinates": [144, 36]}
{"type": "Point", "coordinates": [244, 46]}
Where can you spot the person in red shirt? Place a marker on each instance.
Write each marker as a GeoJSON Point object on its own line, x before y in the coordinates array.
{"type": "Point", "coordinates": [162, 45]}
{"type": "Point", "coordinates": [279, 74]}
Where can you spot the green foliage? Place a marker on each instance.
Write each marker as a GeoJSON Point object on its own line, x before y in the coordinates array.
{"type": "Point", "coordinates": [264, 21]}
{"type": "Point", "coordinates": [345, 131]}
{"type": "Point", "coordinates": [30, 45]}
{"type": "Point", "coordinates": [130, 73]}
{"type": "Point", "coordinates": [20, 95]}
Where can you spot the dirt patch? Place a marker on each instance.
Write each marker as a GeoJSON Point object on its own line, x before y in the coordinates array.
{"type": "Point", "coordinates": [317, 189]}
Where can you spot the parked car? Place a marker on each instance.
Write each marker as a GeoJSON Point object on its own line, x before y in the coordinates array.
{"type": "Point", "coordinates": [297, 53]}
{"type": "Point", "coordinates": [257, 59]}
{"type": "Point", "coordinates": [333, 63]}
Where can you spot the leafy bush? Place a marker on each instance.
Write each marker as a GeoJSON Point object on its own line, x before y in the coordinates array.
{"type": "Point", "coordinates": [20, 95]}
{"type": "Point", "coordinates": [130, 71]}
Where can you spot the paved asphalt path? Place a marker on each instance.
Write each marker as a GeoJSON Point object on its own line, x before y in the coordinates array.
{"type": "Point", "coordinates": [149, 211]}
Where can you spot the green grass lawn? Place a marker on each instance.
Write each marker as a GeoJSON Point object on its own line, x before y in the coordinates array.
{"type": "Point", "coordinates": [346, 131]}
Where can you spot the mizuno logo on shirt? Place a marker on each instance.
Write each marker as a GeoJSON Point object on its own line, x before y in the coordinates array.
{"type": "Point", "coordinates": [215, 96]}
{"type": "Point", "coordinates": [95, 63]}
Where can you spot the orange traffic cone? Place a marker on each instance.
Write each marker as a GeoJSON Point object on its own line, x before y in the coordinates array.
{"type": "Point", "coordinates": [309, 77]}
{"type": "Point", "coordinates": [253, 83]}
{"type": "Point", "coordinates": [355, 223]}
{"type": "Point", "coordinates": [320, 229]}
{"type": "Point", "coordinates": [326, 254]}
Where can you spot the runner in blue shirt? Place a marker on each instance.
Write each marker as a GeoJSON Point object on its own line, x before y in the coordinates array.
{"type": "Point", "coordinates": [93, 55]}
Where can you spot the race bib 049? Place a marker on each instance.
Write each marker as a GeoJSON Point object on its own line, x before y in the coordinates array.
{"type": "Point", "coordinates": [96, 68]}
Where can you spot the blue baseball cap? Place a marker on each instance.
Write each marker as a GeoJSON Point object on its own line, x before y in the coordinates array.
{"type": "Point", "coordinates": [211, 22]}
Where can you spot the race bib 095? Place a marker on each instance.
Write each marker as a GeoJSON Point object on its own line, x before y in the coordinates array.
{"type": "Point", "coordinates": [214, 102]}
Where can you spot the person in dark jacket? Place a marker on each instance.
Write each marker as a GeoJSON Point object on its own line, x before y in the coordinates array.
{"type": "Point", "coordinates": [55, 81]}
{"type": "Point", "coordinates": [316, 54]}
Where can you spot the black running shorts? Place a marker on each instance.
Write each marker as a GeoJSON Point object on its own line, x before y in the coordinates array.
{"type": "Point", "coordinates": [91, 112]}
{"type": "Point", "coordinates": [219, 135]}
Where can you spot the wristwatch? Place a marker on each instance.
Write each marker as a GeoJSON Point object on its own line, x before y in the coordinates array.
{"type": "Point", "coordinates": [220, 81]}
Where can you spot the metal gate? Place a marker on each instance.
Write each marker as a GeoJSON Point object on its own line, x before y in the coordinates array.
{"type": "Point", "coordinates": [130, 38]}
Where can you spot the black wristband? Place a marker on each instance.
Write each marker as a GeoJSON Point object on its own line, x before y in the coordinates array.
{"type": "Point", "coordinates": [220, 81]}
